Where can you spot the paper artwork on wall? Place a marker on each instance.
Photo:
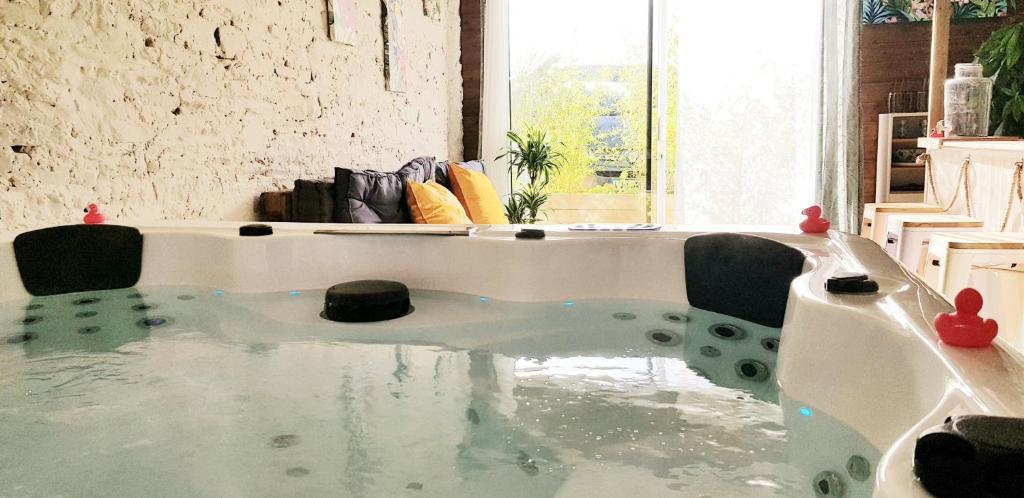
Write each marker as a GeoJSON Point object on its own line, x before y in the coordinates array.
{"type": "Point", "coordinates": [341, 21]}
{"type": "Point", "coordinates": [432, 9]}
{"type": "Point", "coordinates": [898, 11]}
{"type": "Point", "coordinates": [394, 55]}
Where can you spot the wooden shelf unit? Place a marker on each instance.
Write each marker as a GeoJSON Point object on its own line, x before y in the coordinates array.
{"type": "Point", "coordinates": [899, 181]}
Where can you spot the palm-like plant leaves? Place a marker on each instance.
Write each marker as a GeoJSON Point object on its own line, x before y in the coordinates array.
{"type": "Point", "coordinates": [885, 11]}
{"type": "Point", "coordinates": [875, 12]}
{"type": "Point", "coordinates": [536, 159]}
{"type": "Point", "coordinates": [533, 157]}
{"type": "Point", "coordinates": [903, 9]}
{"type": "Point", "coordinates": [969, 10]}
{"type": "Point", "coordinates": [986, 8]}
{"type": "Point", "coordinates": [515, 210]}
{"type": "Point", "coordinates": [525, 207]}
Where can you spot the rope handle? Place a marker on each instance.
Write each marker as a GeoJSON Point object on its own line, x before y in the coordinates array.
{"type": "Point", "coordinates": [926, 160]}
{"type": "Point", "coordinates": [1016, 187]}
{"type": "Point", "coordinates": [964, 180]}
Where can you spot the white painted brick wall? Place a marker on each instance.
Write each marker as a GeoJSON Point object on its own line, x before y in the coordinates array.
{"type": "Point", "coordinates": [134, 105]}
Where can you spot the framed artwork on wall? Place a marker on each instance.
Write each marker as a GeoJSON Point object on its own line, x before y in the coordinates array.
{"type": "Point", "coordinates": [394, 55]}
{"type": "Point", "coordinates": [897, 11]}
{"type": "Point", "coordinates": [341, 21]}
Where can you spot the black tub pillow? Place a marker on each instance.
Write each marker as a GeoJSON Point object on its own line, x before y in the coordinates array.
{"type": "Point", "coordinates": [743, 276]}
{"type": "Point", "coordinates": [78, 258]}
{"type": "Point", "coordinates": [367, 196]}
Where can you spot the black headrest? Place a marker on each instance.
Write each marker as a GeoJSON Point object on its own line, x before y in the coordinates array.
{"type": "Point", "coordinates": [742, 276]}
{"type": "Point", "coordinates": [77, 258]}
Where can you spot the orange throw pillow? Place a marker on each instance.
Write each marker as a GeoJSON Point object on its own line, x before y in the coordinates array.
{"type": "Point", "coordinates": [433, 204]}
{"type": "Point", "coordinates": [478, 196]}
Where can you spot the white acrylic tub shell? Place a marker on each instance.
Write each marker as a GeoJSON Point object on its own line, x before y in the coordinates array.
{"type": "Point", "coordinates": [873, 363]}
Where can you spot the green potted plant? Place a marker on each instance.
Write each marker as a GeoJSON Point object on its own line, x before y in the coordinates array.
{"type": "Point", "coordinates": [534, 160]}
{"type": "Point", "coordinates": [1000, 56]}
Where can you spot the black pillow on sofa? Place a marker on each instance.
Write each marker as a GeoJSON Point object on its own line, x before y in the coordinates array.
{"type": "Point", "coordinates": [313, 201]}
{"type": "Point", "coordinates": [441, 171]}
{"type": "Point", "coordinates": [367, 196]}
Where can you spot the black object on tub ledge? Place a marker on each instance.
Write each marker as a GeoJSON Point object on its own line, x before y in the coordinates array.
{"type": "Point", "coordinates": [367, 301]}
{"type": "Point", "coordinates": [851, 284]}
{"type": "Point", "coordinates": [78, 258]}
{"type": "Point", "coordinates": [972, 456]}
{"type": "Point", "coordinates": [255, 230]}
{"type": "Point", "coordinates": [530, 234]}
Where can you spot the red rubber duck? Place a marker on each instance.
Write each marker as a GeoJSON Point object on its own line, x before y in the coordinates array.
{"type": "Point", "coordinates": [93, 216]}
{"type": "Point", "coordinates": [814, 222]}
{"type": "Point", "coordinates": [965, 329]}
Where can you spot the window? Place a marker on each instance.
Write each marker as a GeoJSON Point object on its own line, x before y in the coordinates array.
{"type": "Point", "coordinates": [724, 103]}
{"type": "Point", "coordinates": [579, 72]}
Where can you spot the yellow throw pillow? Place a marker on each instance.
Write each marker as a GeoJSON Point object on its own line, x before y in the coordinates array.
{"type": "Point", "coordinates": [478, 196]}
{"type": "Point", "coordinates": [432, 203]}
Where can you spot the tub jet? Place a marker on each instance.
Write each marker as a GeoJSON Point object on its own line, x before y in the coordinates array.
{"type": "Point", "coordinates": [153, 322]}
{"type": "Point", "coordinates": [664, 337]}
{"type": "Point", "coordinates": [675, 317]}
{"type": "Point", "coordinates": [829, 484]}
{"type": "Point", "coordinates": [753, 370]}
{"type": "Point", "coordinates": [710, 351]}
{"type": "Point", "coordinates": [367, 301]}
{"type": "Point", "coordinates": [727, 331]}
{"type": "Point", "coordinates": [20, 338]}
{"type": "Point", "coordinates": [859, 468]}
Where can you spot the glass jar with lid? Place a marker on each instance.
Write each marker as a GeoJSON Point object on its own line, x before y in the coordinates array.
{"type": "Point", "coordinates": [968, 100]}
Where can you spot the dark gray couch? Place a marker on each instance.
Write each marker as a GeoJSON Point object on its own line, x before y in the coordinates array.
{"type": "Point", "coordinates": [359, 196]}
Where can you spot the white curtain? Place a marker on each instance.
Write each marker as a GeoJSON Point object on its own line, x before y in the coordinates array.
{"type": "Point", "coordinates": [495, 115]}
{"type": "Point", "coordinates": [839, 169]}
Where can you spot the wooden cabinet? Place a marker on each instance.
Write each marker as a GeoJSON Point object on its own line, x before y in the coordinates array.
{"type": "Point", "coordinates": [899, 178]}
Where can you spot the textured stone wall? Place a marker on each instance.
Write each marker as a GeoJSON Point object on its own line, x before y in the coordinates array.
{"type": "Point", "coordinates": [172, 109]}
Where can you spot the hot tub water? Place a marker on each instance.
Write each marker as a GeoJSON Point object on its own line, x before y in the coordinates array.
{"type": "Point", "coordinates": [191, 391]}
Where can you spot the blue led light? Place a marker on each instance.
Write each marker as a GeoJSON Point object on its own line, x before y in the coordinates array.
{"type": "Point", "coordinates": [569, 303]}
{"type": "Point", "coordinates": [806, 411]}
{"type": "Point", "coordinates": [484, 299]}
{"type": "Point", "coordinates": [218, 293]}
{"type": "Point", "coordinates": [295, 293]}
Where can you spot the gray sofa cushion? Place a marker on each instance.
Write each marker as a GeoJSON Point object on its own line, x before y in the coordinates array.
{"type": "Point", "coordinates": [441, 171]}
{"type": "Point", "coordinates": [367, 196]}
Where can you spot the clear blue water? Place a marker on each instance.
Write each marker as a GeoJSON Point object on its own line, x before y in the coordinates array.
{"type": "Point", "coordinates": [194, 392]}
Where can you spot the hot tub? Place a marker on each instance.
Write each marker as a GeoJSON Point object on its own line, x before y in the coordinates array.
{"type": "Point", "coordinates": [570, 366]}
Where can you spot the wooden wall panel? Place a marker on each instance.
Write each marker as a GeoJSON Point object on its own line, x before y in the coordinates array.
{"type": "Point", "coordinates": [472, 42]}
{"type": "Point", "coordinates": [893, 53]}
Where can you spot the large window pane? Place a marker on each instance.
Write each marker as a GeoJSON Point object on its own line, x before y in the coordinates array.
{"type": "Point", "coordinates": [743, 123]}
{"type": "Point", "coordinates": [579, 72]}
{"type": "Point", "coordinates": [735, 110]}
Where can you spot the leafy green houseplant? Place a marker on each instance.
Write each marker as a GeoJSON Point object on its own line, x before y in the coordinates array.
{"type": "Point", "coordinates": [534, 160]}
{"type": "Point", "coordinates": [1001, 57]}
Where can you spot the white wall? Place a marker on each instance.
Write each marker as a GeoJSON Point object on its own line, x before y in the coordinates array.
{"type": "Point", "coordinates": [133, 104]}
